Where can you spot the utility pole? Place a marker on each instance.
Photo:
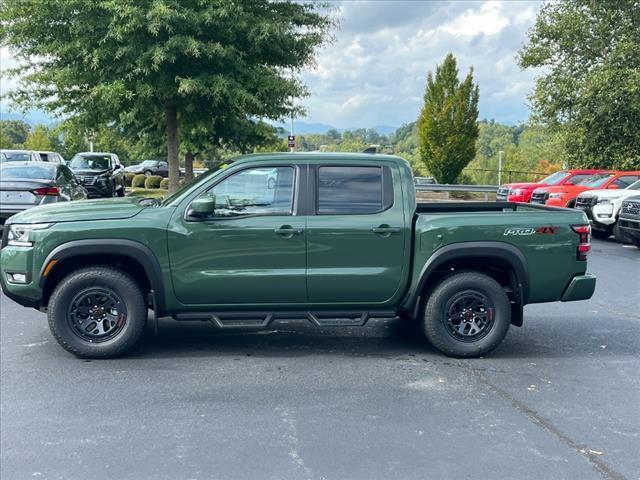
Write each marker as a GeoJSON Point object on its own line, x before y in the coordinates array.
{"type": "Point", "coordinates": [500, 153]}
{"type": "Point", "coordinates": [292, 147]}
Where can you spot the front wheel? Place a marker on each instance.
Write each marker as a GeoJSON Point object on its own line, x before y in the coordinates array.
{"type": "Point", "coordinates": [97, 312]}
{"type": "Point", "coordinates": [467, 315]}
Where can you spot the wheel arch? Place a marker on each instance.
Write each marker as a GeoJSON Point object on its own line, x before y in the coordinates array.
{"type": "Point", "coordinates": [502, 261]}
{"type": "Point", "coordinates": [132, 257]}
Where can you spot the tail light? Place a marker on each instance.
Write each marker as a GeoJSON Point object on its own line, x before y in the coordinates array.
{"type": "Point", "coordinates": [584, 243]}
{"type": "Point", "coordinates": [47, 191]}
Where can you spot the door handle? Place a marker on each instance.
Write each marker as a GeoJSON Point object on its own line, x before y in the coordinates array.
{"type": "Point", "coordinates": [385, 230]}
{"type": "Point", "coordinates": [287, 230]}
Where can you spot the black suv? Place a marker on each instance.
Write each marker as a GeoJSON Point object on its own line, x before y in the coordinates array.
{"type": "Point", "coordinates": [629, 219]}
{"type": "Point", "coordinates": [100, 173]}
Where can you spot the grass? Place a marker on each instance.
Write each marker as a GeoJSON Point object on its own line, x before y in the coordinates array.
{"type": "Point", "coordinates": [147, 192]}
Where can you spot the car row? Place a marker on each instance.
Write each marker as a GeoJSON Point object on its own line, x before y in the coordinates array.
{"type": "Point", "coordinates": [599, 193]}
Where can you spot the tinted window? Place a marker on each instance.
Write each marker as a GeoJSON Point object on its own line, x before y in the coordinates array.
{"type": "Point", "coordinates": [595, 181]}
{"type": "Point", "coordinates": [31, 171]}
{"type": "Point", "coordinates": [625, 181]}
{"type": "Point", "coordinates": [255, 191]}
{"type": "Point", "coordinates": [353, 190]}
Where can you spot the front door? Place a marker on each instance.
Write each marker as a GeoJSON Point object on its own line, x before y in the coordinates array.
{"type": "Point", "coordinates": [251, 250]}
{"type": "Point", "coordinates": [356, 239]}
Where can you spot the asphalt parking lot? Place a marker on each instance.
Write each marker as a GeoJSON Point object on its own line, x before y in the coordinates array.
{"type": "Point", "coordinates": [558, 399]}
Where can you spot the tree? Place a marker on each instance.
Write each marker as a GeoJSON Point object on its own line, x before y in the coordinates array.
{"type": "Point", "coordinates": [447, 125]}
{"type": "Point", "coordinates": [161, 61]}
{"type": "Point", "coordinates": [16, 131]}
{"type": "Point", "coordinates": [39, 139]}
{"type": "Point", "coordinates": [590, 88]}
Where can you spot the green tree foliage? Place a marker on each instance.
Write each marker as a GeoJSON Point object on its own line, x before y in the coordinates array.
{"type": "Point", "coordinates": [447, 128]}
{"type": "Point", "coordinates": [14, 132]}
{"type": "Point", "coordinates": [155, 63]}
{"type": "Point", "coordinates": [590, 88]}
{"type": "Point", "coordinates": [39, 139]}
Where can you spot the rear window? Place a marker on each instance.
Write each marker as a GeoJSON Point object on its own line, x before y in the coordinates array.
{"type": "Point", "coordinates": [354, 190]}
{"type": "Point", "coordinates": [27, 172]}
{"type": "Point", "coordinates": [16, 156]}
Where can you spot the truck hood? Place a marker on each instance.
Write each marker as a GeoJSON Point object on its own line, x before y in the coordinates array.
{"type": "Point", "coordinates": [82, 210]}
{"type": "Point", "coordinates": [572, 189]}
{"type": "Point", "coordinates": [524, 186]}
{"type": "Point", "coordinates": [612, 193]}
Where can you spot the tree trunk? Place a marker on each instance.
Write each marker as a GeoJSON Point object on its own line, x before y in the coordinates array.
{"type": "Point", "coordinates": [188, 166]}
{"type": "Point", "coordinates": [172, 146]}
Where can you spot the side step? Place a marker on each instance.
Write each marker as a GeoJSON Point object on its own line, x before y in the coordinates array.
{"type": "Point", "coordinates": [259, 320]}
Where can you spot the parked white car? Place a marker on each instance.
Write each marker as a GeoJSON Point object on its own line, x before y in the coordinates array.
{"type": "Point", "coordinates": [603, 207]}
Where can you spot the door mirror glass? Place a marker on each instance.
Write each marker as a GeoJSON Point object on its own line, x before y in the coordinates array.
{"type": "Point", "coordinates": [203, 206]}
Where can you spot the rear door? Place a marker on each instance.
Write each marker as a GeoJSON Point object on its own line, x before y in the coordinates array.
{"type": "Point", "coordinates": [356, 239]}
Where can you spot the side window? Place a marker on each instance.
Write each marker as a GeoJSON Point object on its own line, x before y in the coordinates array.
{"type": "Point", "coordinates": [344, 190]}
{"type": "Point", "coordinates": [255, 191]}
{"type": "Point", "coordinates": [625, 181]}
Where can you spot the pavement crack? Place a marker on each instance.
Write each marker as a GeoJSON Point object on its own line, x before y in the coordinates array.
{"type": "Point", "coordinates": [291, 436]}
{"type": "Point", "coordinates": [591, 455]}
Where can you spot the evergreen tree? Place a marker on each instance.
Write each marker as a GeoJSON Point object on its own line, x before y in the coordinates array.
{"type": "Point", "coordinates": [447, 125]}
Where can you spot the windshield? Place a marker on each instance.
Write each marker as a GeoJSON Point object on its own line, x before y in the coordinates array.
{"type": "Point", "coordinates": [149, 163]}
{"type": "Point", "coordinates": [90, 162]}
{"type": "Point", "coordinates": [15, 156]}
{"type": "Point", "coordinates": [554, 178]}
{"type": "Point", "coordinates": [596, 180]}
{"type": "Point", "coordinates": [31, 172]}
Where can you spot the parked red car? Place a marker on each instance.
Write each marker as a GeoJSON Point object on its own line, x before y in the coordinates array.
{"type": "Point", "coordinates": [565, 195]}
{"type": "Point", "coordinates": [521, 192]}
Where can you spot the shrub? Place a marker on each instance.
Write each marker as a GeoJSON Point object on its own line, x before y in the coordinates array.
{"type": "Point", "coordinates": [152, 181]}
{"type": "Point", "coordinates": [164, 184]}
{"type": "Point", "coordinates": [128, 178]}
{"type": "Point", "coordinates": [138, 181]}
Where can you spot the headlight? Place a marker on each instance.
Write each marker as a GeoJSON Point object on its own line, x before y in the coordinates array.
{"type": "Point", "coordinates": [604, 201]}
{"type": "Point", "coordinates": [19, 233]}
{"type": "Point", "coordinates": [515, 191]}
{"type": "Point", "coordinates": [557, 195]}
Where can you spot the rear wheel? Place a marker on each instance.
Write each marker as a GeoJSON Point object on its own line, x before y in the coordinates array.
{"type": "Point", "coordinates": [147, 173]}
{"type": "Point", "coordinates": [467, 315]}
{"type": "Point", "coordinates": [97, 312]}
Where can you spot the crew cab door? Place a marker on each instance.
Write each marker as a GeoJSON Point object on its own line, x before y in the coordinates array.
{"type": "Point", "coordinates": [251, 250]}
{"type": "Point", "coordinates": [356, 239]}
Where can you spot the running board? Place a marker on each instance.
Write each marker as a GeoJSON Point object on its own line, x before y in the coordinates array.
{"type": "Point", "coordinates": [260, 320]}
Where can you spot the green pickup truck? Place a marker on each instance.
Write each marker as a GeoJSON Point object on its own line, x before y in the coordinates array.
{"type": "Point", "coordinates": [336, 239]}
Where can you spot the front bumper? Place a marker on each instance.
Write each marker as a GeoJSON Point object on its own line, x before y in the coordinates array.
{"type": "Point", "coordinates": [630, 226]}
{"type": "Point", "coordinates": [581, 287]}
{"type": "Point", "coordinates": [20, 260]}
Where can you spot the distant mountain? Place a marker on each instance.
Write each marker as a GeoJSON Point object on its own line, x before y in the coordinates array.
{"type": "Point", "coordinates": [32, 117]}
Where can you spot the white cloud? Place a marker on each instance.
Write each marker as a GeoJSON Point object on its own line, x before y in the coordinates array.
{"type": "Point", "coordinates": [488, 20]}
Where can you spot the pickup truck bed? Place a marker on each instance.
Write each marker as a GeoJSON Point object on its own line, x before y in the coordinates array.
{"type": "Point", "coordinates": [333, 238]}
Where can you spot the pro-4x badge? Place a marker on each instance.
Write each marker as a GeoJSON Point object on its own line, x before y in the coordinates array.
{"type": "Point", "coordinates": [520, 231]}
{"type": "Point", "coordinates": [546, 230]}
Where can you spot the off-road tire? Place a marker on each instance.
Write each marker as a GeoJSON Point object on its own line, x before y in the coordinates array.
{"type": "Point", "coordinates": [434, 316]}
{"type": "Point", "coordinates": [108, 278]}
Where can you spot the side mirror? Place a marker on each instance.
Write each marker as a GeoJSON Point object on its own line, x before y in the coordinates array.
{"type": "Point", "coordinates": [613, 186]}
{"type": "Point", "coordinates": [202, 207]}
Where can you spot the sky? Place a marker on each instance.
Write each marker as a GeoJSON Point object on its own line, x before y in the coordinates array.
{"type": "Point", "coordinates": [374, 72]}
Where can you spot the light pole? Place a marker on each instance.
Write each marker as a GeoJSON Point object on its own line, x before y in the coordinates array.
{"type": "Point", "coordinates": [500, 153]}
